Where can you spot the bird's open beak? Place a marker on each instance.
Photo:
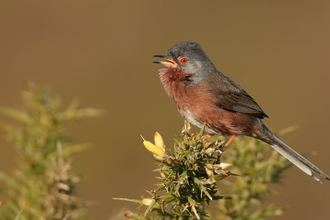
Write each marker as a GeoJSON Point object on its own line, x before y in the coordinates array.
{"type": "Point", "coordinates": [166, 62]}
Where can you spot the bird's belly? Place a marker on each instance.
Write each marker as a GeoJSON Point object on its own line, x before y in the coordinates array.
{"type": "Point", "coordinates": [189, 117]}
{"type": "Point", "coordinates": [218, 121]}
{"type": "Point", "coordinates": [201, 118]}
{"type": "Point", "coordinates": [200, 108]}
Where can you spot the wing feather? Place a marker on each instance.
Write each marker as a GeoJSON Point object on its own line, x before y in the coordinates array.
{"type": "Point", "coordinates": [232, 97]}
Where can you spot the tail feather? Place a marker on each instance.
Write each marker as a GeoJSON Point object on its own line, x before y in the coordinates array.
{"type": "Point", "coordinates": [302, 163]}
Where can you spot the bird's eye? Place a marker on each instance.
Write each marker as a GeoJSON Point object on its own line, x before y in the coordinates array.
{"type": "Point", "coordinates": [183, 60]}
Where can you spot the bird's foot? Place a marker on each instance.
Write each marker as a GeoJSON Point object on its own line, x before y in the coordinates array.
{"type": "Point", "coordinates": [219, 156]}
{"type": "Point", "coordinates": [224, 147]}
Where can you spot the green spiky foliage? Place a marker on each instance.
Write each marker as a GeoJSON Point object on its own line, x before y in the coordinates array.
{"type": "Point", "coordinates": [42, 186]}
{"type": "Point", "coordinates": [188, 177]}
{"type": "Point", "coordinates": [196, 173]}
{"type": "Point", "coordinates": [260, 167]}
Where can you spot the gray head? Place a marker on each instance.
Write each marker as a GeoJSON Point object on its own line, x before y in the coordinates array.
{"type": "Point", "coordinates": [190, 58]}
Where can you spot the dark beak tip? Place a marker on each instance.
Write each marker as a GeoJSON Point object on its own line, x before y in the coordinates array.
{"type": "Point", "coordinates": [159, 56]}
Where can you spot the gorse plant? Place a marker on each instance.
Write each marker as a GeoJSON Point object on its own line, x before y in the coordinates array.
{"type": "Point", "coordinates": [257, 172]}
{"type": "Point", "coordinates": [191, 173]}
{"type": "Point", "coordinates": [42, 186]}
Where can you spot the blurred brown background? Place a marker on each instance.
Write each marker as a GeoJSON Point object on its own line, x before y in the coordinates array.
{"type": "Point", "coordinates": [101, 52]}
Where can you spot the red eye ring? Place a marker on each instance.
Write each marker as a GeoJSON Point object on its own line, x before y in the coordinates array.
{"type": "Point", "coordinates": [183, 60]}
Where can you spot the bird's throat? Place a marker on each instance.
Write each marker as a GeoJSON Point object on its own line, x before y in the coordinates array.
{"type": "Point", "coordinates": [174, 81]}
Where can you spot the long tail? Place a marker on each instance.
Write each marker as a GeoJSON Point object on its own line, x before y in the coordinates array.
{"type": "Point", "coordinates": [265, 135]}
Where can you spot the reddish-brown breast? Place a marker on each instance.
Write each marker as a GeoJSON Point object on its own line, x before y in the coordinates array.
{"type": "Point", "coordinates": [197, 105]}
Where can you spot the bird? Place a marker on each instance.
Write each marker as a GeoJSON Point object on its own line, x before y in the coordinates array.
{"type": "Point", "coordinates": [206, 97]}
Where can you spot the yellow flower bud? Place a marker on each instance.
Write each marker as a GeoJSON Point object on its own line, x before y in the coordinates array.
{"type": "Point", "coordinates": [147, 202]}
{"type": "Point", "coordinates": [209, 172]}
{"type": "Point", "coordinates": [159, 140]}
{"type": "Point", "coordinates": [158, 148]}
{"type": "Point", "coordinates": [225, 165]}
{"type": "Point", "coordinates": [153, 148]}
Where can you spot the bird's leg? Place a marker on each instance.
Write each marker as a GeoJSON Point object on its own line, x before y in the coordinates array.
{"type": "Point", "coordinates": [207, 136]}
{"type": "Point", "coordinates": [224, 147]}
